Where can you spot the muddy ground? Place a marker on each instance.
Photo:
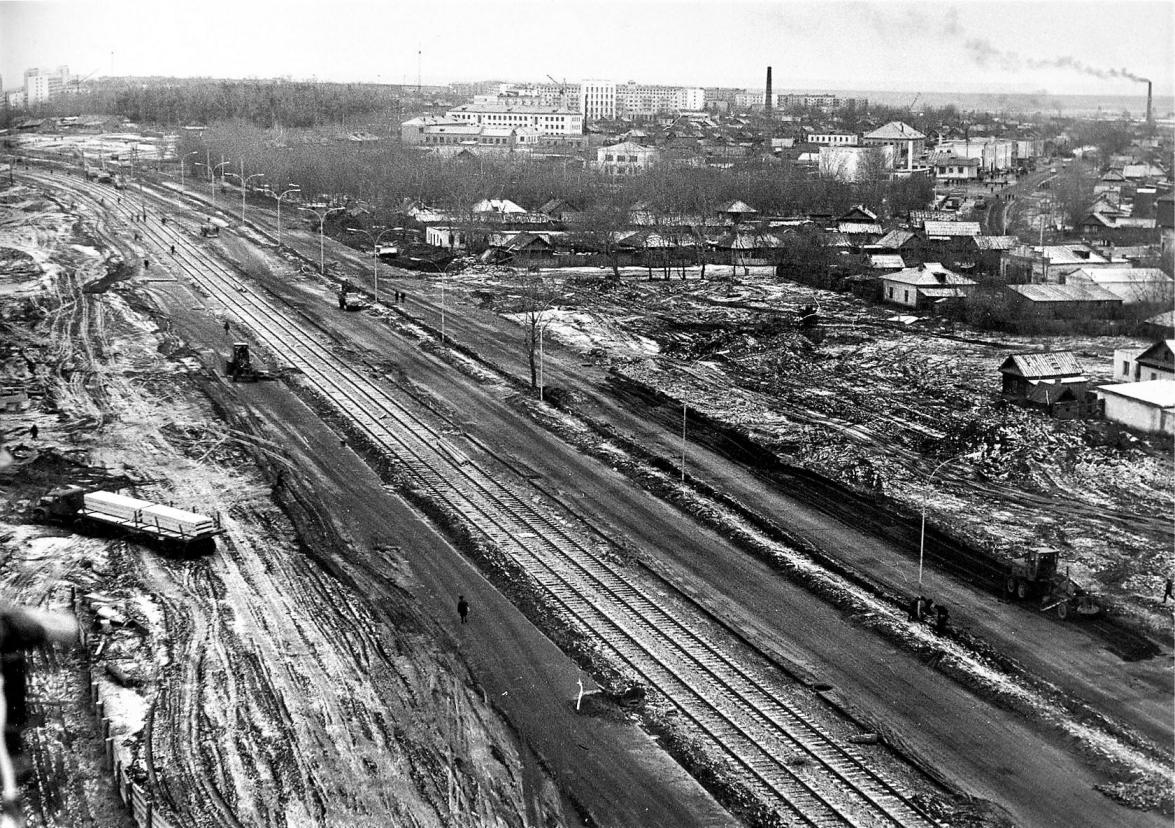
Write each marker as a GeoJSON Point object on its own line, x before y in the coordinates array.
{"type": "Point", "coordinates": [252, 680]}
{"type": "Point", "coordinates": [875, 403]}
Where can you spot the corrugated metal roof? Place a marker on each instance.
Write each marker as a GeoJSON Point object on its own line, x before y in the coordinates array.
{"type": "Point", "coordinates": [858, 227]}
{"type": "Point", "coordinates": [885, 261]}
{"type": "Point", "coordinates": [995, 242]}
{"type": "Point", "coordinates": [1043, 364]}
{"type": "Point", "coordinates": [894, 239]}
{"type": "Point", "coordinates": [1064, 293]}
{"type": "Point", "coordinates": [951, 228]}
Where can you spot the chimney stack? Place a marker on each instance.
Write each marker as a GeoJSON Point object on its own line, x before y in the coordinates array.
{"type": "Point", "coordinates": [767, 104]}
{"type": "Point", "coordinates": [1148, 96]}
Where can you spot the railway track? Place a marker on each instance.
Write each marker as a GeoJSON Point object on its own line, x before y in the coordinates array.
{"type": "Point", "coordinates": [789, 761]}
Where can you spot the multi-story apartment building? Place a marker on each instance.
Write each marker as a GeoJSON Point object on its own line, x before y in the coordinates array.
{"type": "Point", "coordinates": [639, 99]}
{"type": "Point", "coordinates": [547, 120]}
{"type": "Point", "coordinates": [993, 154]}
{"type": "Point", "coordinates": [40, 86]}
{"type": "Point", "coordinates": [597, 99]}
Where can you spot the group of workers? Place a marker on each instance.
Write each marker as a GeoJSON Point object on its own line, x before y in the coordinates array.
{"type": "Point", "coordinates": [924, 609]}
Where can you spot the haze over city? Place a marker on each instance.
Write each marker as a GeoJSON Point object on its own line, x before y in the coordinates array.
{"type": "Point", "coordinates": [1001, 47]}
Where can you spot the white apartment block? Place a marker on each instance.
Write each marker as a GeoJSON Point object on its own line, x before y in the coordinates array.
{"type": "Point", "coordinates": [40, 86]}
{"type": "Point", "coordinates": [834, 139]}
{"type": "Point", "coordinates": [650, 99]}
{"type": "Point", "coordinates": [547, 120]}
{"type": "Point", "coordinates": [597, 99]}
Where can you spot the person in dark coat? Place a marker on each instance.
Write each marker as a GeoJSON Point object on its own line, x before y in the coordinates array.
{"type": "Point", "coordinates": [34, 431]}
{"type": "Point", "coordinates": [463, 609]}
{"type": "Point", "coordinates": [942, 620]}
{"type": "Point", "coordinates": [1169, 589]}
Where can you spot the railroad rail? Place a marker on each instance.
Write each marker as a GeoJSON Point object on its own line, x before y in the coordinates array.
{"type": "Point", "coordinates": [788, 760]}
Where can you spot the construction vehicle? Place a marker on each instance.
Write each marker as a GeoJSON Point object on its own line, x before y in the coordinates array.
{"type": "Point", "coordinates": [1037, 575]}
{"type": "Point", "coordinates": [240, 367]}
{"type": "Point", "coordinates": [209, 229]}
{"type": "Point", "coordinates": [116, 180]}
{"type": "Point", "coordinates": [105, 512]}
{"type": "Point", "coordinates": [349, 301]}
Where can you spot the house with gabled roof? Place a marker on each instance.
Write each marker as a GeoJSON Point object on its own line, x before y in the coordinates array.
{"type": "Point", "coordinates": [917, 287]}
{"type": "Point", "coordinates": [908, 143]}
{"type": "Point", "coordinates": [1155, 361]}
{"type": "Point", "coordinates": [1022, 372]}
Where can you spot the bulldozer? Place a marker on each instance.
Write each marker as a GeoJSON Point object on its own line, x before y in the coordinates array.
{"type": "Point", "coordinates": [240, 366]}
{"type": "Point", "coordinates": [1037, 575]}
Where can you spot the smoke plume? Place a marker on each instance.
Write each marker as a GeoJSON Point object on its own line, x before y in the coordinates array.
{"type": "Point", "coordinates": [984, 53]}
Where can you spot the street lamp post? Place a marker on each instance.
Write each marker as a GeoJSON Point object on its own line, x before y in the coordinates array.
{"type": "Point", "coordinates": [182, 159]}
{"type": "Point", "coordinates": [244, 185]}
{"type": "Point", "coordinates": [214, 169]}
{"type": "Point", "coordinates": [321, 216]}
{"type": "Point", "coordinates": [374, 251]}
{"type": "Point", "coordinates": [925, 500]}
{"type": "Point", "coordinates": [279, 198]}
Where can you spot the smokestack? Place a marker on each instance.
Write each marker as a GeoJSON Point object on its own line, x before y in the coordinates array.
{"type": "Point", "coordinates": [770, 100]}
{"type": "Point", "coordinates": [1148, 100]}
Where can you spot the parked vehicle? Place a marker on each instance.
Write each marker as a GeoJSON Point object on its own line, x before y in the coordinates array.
{"type": "Point", "coordinates": [1037, 575]}
{"type": "Point", "coordinates": [108, 512]}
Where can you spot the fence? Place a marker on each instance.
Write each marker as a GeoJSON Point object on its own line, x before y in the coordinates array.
{"type": "Point", "coordinates": [138, 800]}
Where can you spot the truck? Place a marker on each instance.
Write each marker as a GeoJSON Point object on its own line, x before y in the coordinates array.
{"type": "Point", "coordinates": [1036, 575]}
{"type": "Point", "coordinates": [105, 512]}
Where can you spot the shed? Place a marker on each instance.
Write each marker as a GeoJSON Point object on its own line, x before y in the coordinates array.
{"type": "Point", "coordinates": [1147, 406]}
{"type": "Point", "coordinates": [1133, 285]}
{"type": "Point", "coordinates": [1065, 301]}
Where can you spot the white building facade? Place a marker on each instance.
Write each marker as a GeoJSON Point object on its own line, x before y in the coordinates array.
{"type": "Point", "coordinates": [547, 120]}
{"type": "Point", "coordinates": [626, 158]}
{"type": "Point", "coordinates": [1147, 406]}
{"type": "Point", "coordinates": [597, 99]}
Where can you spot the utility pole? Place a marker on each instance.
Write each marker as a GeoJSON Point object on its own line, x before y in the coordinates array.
{"type": "Point", "coordinates": [684, 409]}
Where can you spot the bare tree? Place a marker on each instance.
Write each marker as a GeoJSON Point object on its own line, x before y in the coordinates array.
{"type": "Point", "coordinates": [540, 292]}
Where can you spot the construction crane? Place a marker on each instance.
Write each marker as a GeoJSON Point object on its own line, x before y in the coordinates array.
{"type": "Point", "coordinates": [917, 97]}
{"type": "Point", "coordinates": [77, 83]}
{"type": "Point", "coordinates": [562, 90]}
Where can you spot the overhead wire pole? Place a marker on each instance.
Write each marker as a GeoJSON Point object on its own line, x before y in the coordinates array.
{"type": "Point", "coordinates": [684, 409]}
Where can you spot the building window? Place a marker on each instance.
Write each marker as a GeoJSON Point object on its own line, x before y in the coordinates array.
{"type": "Point", "coordinates": [1125, 369]}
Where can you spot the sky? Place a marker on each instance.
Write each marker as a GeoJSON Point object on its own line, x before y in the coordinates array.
{"type": "Point", "coordinates": [1030, 46]}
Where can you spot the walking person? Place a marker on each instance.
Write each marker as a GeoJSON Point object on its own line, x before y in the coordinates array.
{"type": "Point", "coordinates": [34, 431]}
{"type": "Point", "coordinates": [226, 327]}
{"type": "Point", "coordinates": [463, 609]}
{"type": "Point", "coordinates": [1168, 589]}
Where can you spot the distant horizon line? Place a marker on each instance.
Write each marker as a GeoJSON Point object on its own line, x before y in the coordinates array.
{"type": "Point", "coordinates": [813, 89]}
{"type": "Point", "coordinates": [810, 89]}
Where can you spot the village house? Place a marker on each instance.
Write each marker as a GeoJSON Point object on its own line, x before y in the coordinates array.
{"type": "Point", "coordinates": [918, 287]}
{"type": "Point", "coordinates": [1052, 380]}
{"type": "Point", "coordinates": [1156, 361]}
{"type": "Point", "coordinates": [1147, 406]}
